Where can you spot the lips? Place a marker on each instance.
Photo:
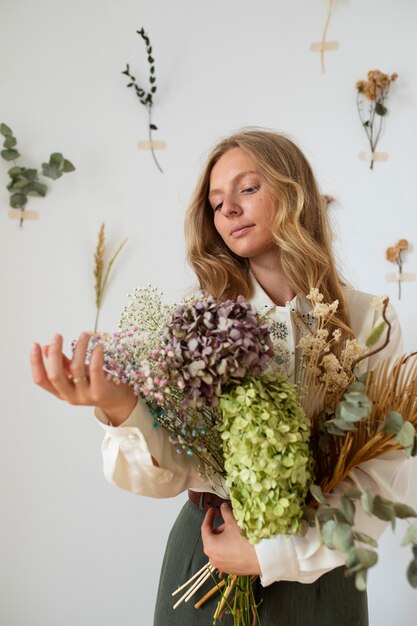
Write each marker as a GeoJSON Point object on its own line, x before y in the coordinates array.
{"type": "Point", "coordinates": [241, 229]}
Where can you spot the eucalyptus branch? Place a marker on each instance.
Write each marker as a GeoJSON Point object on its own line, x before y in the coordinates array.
{"type": "Point", "coordinates": [146, 96]}
{"type": "Point", "coordinates": [25, 181]}
{"type": "Point", "coordinates": [335, 526]}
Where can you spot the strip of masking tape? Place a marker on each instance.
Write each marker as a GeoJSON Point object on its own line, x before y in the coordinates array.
{"type": "Point", "coordinates": [373, 156]}
{"type": "Point", "coordinates": [404, 277]}
{"type": "Point", "coordinates": [18, 214]}
{"type": "Point", "coordinates": [152, 145]}
{"type": "Point", "coordinates": [324, 45]}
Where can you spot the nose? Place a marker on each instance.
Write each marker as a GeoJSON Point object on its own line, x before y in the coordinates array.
{"type": "Point", "coordinates": [230, 207]}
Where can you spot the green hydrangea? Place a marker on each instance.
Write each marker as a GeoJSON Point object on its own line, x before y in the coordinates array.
{"type": "Point", "coordinates": [267, 458]}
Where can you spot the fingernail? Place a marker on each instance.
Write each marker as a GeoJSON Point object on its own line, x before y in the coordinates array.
{"type": "Point", "coordinates": [34, 347]}
{"type": "Point", "coordinates": [55, 338]}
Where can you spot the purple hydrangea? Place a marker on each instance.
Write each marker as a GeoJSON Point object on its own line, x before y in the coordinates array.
{"type": "Point", "coordinates": [207, 344]}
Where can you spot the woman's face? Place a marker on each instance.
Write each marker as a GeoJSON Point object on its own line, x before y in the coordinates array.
{"type": "Point", "coordinates": [242, 204]}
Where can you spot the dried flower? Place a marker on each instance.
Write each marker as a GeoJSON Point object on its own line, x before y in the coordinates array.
{"type": "Point", "coordinates": [100, 280]}
{"type": "Point", "coordinates": [393, 254]}
{"type": "Point", "coordinates": [207, 343]}
{"type": "Point", "coordinates": [375, 89]}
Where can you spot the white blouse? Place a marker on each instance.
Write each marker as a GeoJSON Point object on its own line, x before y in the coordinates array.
{"type": "Point", "coordinates": [128, 450]}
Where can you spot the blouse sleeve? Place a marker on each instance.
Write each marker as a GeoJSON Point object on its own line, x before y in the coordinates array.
{"type": "Point", "coordinates": [128, 452]}
{"type": "Point", "coordinates": [305, 558]}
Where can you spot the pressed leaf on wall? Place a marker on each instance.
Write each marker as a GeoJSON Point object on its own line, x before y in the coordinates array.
{"type": "Point", "coordinates": [24, 181]}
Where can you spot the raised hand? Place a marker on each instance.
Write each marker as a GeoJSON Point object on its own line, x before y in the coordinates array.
{"type": "Point", "coordinates": [76, 382]}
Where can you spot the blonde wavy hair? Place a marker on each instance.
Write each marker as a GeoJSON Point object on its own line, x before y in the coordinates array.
{"type": "Point", "coordinates": [300, 228]}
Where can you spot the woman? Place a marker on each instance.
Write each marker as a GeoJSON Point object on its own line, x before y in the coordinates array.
{"type": "Point", "coordinates": [256, 226]}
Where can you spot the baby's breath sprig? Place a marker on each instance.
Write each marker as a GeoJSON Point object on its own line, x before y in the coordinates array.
{"type": "Point", "coordinates": [100, 275]}
{"type": "Point", "coordinates": [146, 97]}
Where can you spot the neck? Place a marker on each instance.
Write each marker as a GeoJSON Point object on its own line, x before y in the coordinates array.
{"type": "Point", "coordinates": [269, 274]}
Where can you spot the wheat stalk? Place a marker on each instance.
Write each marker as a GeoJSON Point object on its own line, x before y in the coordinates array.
{"type": "Point", "coordinates": [100, 279]}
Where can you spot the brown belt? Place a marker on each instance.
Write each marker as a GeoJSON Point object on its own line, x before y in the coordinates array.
{"type": "Point", "coordinates": [204, 500]}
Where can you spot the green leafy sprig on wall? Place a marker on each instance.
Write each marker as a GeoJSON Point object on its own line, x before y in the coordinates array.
{"type": "Point", "coordinates": [24, 181]}
{"type": "Point", "coordinates": [146, 97]}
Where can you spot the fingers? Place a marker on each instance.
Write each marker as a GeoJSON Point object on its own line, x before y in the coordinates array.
{"type": "Point", "coordinates": [207, 525]}
{"type": "Point", "coordinates": [77, 365]}
{"type": "Point", "coordinates": [227, 513]}
{"type": "Point", "coordinates": [39, 374]}
{"type": "Point", "coordinates": [55, 371]}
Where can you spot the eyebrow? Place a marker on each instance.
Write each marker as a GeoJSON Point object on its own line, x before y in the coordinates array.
{"type": "Point", "coordinates": [235, 179]}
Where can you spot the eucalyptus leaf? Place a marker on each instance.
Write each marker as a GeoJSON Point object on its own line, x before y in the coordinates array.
{"type": "Point", "coordinates": [360, 580]}
{"type": "Point", "coordinates": [5, 130]}
{"type": "Point", "coordinates": [375, 335]}
{"type": "Point", "coordinates": [327, 532]}
{"type": "Point", "coordinates": [393, 422]}
{"type": "Point", "coordinates": [348, 509]}
{"type": "Point", "coordinates": [342, 537]}
{"type": "Point", "coordinates": [318, 495]}
{"type": "Point", "coordinates": [364, 538]}
{"type": "Point", "coordinates": [352, 412]}
{"type": "Point", "coordinates": [68, 166]}
{"type": "Point", "coordinates": [325, 514]}
{"type": "Point", "coordinates": [9, 142]}
{"type": "Point", "coordinates": [357, 386]}
{"type": "Point", "coordinates": [366, 557]}
{"type": "Point", "coordinates": [10, 155]}
{"type": "Point", "coordinates": [35, 189]}
{"type": "Point", "coordinates": [29, 173]}
{"type": "Point", "coordinates": [367, 502]}
{"type": "Point", "coordinates": [410, 535]}
{"type": "Point", "coordinates": [15, 171]}
{"type": "Point", "coordinates": [406, 437]}
{"type": "Point", "coordinates": [18, 200]}
{"type": "Point", "coordinates": [402, 511]}
{"type": "Point", "coordinates": [384, 509]}
{"type": "Point", "coordinates": [57, 160]}
{"type": "Point", "coordinates": [51, 171]}
{"type": "Point", "coordinates": [353, 493]}
{"type": "Point", "coordinates": [412, 573]}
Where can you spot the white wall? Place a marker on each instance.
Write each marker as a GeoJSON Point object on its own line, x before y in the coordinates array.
{"type": "Point", "coordinates": [74, 550]}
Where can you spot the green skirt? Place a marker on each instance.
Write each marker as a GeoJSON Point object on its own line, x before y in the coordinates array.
{"type": "Point", "coordinates": [332, 599]}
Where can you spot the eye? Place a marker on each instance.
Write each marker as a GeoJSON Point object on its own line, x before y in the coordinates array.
{"type": "Point", "coordinates": [218, 206]}
{"type": "Point", "coordinates": [252, 189]}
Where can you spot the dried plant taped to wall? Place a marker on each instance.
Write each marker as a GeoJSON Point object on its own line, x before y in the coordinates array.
{"type": "Point", "coordinates": [393, 254]}
{"type": "Point", "coordinates": [24, 181]}
{"type": "Point", "coordinates": [100, 274]}
{"type": "Point", "coordinates": [372, 94]}
{"type": "Point", "coordinates": [146, 97]}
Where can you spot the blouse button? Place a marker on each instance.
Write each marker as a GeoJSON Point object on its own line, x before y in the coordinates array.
{"type": "Point", "coordinates": [132, 437]}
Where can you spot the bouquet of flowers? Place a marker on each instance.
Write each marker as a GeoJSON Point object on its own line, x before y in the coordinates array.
{"type": "Point", "coordinates": [203, 368]}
